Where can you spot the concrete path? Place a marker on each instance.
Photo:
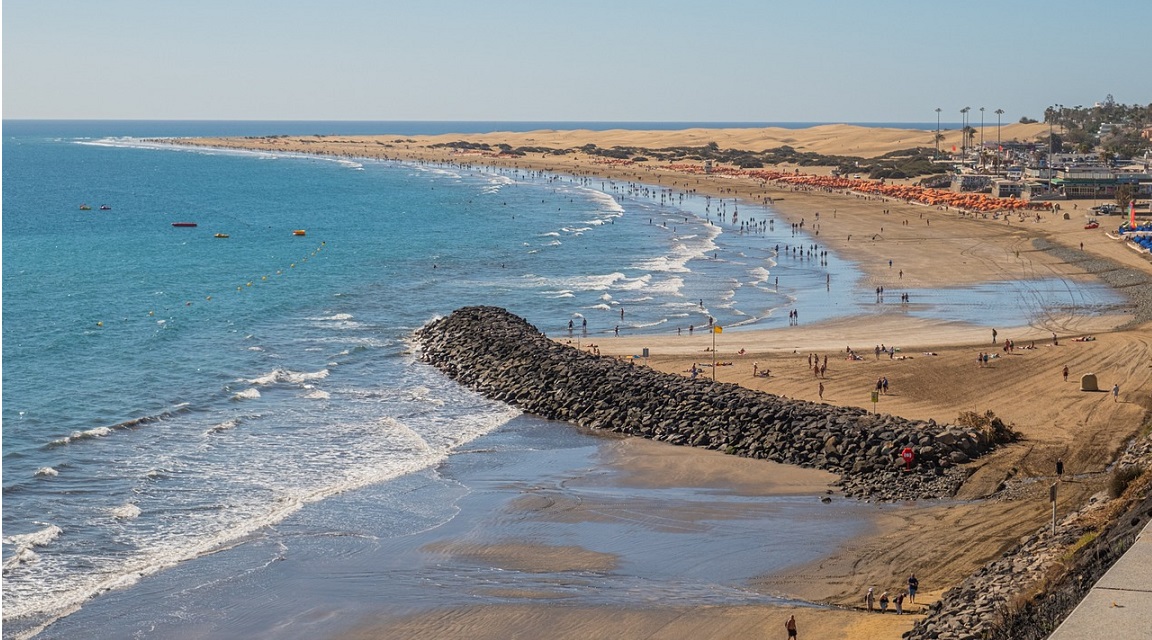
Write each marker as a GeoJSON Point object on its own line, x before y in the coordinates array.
{"type": "Point", "coordinates": [1119, 606]}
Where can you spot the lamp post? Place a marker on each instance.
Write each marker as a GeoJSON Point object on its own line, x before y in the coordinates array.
{"type": "Point", "coordinates": [999, 148]}
{"type": "Point", "coordinates": [981, 137]}
{"type": "Point", "coordinates": [937, 133]}
{"type": "Point", "coordinates": [715, 329]}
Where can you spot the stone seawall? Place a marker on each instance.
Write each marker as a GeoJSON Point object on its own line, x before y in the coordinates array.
{"type": "Point", "coordinates": [503, 357]}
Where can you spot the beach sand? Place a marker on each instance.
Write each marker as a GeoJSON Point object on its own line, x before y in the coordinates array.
{"type": "Point", "coordinates": [938, 378]}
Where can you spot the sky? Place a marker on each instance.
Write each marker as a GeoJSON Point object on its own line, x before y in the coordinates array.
{"type": "Point", "coordinates": [586, 60]}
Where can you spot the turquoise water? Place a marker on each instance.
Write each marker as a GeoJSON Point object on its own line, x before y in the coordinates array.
{"type": "Point", "coordinates": [168, 393]}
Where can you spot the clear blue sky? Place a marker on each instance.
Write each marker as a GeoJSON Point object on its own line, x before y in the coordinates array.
{"type": "Point", "coordinates": [605, 60]}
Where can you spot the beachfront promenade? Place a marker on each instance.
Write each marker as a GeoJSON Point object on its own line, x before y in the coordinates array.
{"type": "Point", "coordinates": [1120, 604]}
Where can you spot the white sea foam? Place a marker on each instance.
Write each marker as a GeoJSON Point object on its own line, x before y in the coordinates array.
{"type": "Point", "coordinates": [669, 286]}
{"type": "Point", "coordinates": [284, 375]}
{"type": "Point", "coordinates": [632, 284]}
{"type": "Point", "coordinates": [125, 512]}
{"type": "Point", "coordinates": [668, 264]}
{"type": "Point", "coordinates": [603, 307]}
{"type": "Point", "coordinates": [401, 437]}
{"type": "Point", "coordinates": [606, 201]}
{"type": "Point", "coordinates": [247, 394]}
{"type": "Point", "coordinates": [758, 275]}
{"type": "Point", "coordinates": [317, 394]}
{"type": "Point", "coordinates": [554, 243]}
{"type": "Point", "coordinates": [37, 538]}
{"type": "Point", "coordinates": [435, 170]}
{"type": "Point", "coordinates": [224, 426]}
{"type": "Point", "coordinates": [97, 432]}
{"type": "Point", "coordinates": [577, 283]}
{"type": "Point", "coordinates": [47, 471]}
{"type": "Point", "coordinates": [551, 234]}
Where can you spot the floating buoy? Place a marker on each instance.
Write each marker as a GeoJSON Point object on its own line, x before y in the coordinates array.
{"type": "Point", "coordinates": [221, 235]}
{"type": "Point", "coordinates": [99, 324]}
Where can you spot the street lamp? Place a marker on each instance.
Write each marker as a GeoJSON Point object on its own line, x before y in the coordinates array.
{"type": "Point", "coordinates": [981, 137]}
{"type": "Point", "coordinates": [999, 148]}
{"type": "Point", "coordinates": [715, 329]}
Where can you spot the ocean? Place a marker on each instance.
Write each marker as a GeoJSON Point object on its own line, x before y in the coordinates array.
{"type": "Point", "coordinates": [173, 399]}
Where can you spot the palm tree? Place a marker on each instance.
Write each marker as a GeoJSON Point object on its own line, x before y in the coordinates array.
{"type": "Point", "coordinates": [963, 137]}
{"type": "Point", "coordinates": [938, 136]}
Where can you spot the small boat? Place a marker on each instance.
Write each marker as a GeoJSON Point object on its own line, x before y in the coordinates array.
{"type": "Point", "coordinates": [183, 224]}
{"type": "Point", "coordinates": [105, 207]}
{"type": "Point", "coordinates": [85, 207]}
{"type": "Point", "coordinates": [1092, 225]}
{"type": "Point", "coordinates": [299, 232]}
{"type": "Point", "coordinates": [221, 235]}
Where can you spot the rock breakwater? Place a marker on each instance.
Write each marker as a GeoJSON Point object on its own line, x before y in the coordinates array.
{"type": "Point", "coordinates": [505, 358]}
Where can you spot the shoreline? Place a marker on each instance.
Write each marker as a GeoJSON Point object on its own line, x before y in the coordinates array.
{"type": "Point", "coordinates": [1024, 389]}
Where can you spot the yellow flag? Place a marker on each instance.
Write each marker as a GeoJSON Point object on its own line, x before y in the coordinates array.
{"type": "Point", "coordinates": [717, 329]}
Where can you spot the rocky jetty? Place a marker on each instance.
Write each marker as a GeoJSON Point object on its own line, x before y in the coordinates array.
{"type": "Point", "coordinates": [505, 358]}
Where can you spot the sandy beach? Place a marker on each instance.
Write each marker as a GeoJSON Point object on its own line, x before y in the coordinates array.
{"type": "Point", "coordinates": [933, 376]}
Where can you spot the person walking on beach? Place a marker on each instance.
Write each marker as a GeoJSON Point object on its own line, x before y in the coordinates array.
{"type": "Point", "coordinates": [898, 601]}
{"type": "Point", "coordinates": [913, 585]}
{"type": "Point", "coordinates": [870, 599]}
{"type": "Point", "coordinates": [821, 391]}
{"type": "Point", "coordinates": [884, 602]}
{"type": "Point", "coordinates": [1065, 373]}
{"type": "Point", "coordinates": [1115, 393]}
{"type": "Point", "coordinates": [993, 336]}
{"type": "Point", "coordinates": [791, 626]}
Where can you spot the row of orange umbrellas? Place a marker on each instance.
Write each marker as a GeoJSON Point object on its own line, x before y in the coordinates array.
{"type": "Point", "coordinates": [909, 193]}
